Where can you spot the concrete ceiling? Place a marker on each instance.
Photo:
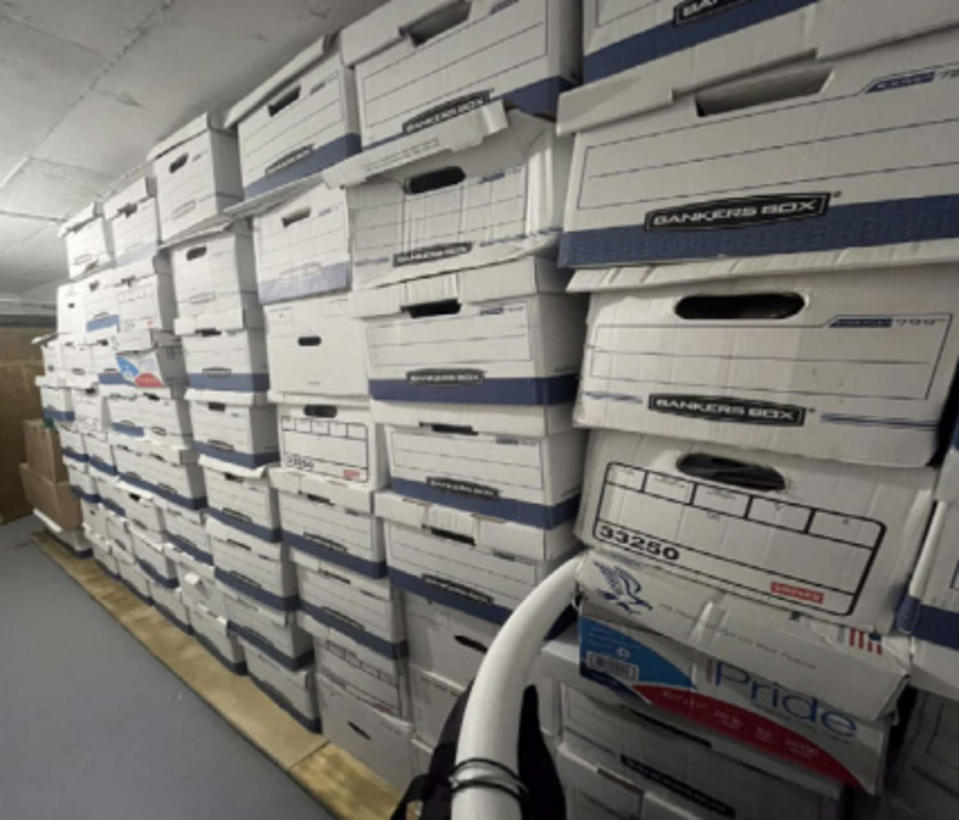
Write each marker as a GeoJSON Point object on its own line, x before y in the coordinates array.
{"type": "Point", "coordinates": [88, 86]}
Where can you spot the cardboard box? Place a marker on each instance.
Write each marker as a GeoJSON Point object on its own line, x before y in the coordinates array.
{"type": "Point", "coordinates": [134, 220]}
{"type": "Point", "coordinates": [104, 354]}
{"type": "Point", "coordinates": [227, 360]}
{"type": "Point", "coordinates": [214, 274]}
{"type": "Point", "coordinates": [170, 603]}
{"type": "Point", "coordinates": [90, 411]}
{"type": "Point", "coordinates": [170, 474]}
{"type": "Point", "coordinates": [152, 558]}
{"type": "Point", "coordinates": [333, 522]}
{"type": "Point", "coordinates": [42, 445]}
{"type": "Point", "coordinates": [935, 669]}
{"type": "Point", "coordinates": [124, 412]}
{"type": "Point", "coordinates": [53, 498]}
{"type": "Point", "coordinates": [197, 172]}
{"type": "Point", "coordinates": [156, 368]}
{"type": "Point", "coordinates": [78, 366]}
{"type": "Point", "coordinates": [454, 568]}
{"type": "Point", "coordinates": [332, 442]}
{"type": "Point", "coordinates": [244, 502]}
{"type": "Point", "coordinates": [141, 510]}
{"type": "Point", "coordinates": [303, 246]}
{"type": "Point", "coordinates": [835, 541]}
{"type": "Point", "coordinates": [236, 428]}
{"type": "Point", "coordinates": [71, 312]}
{"type": "Point", "coordinates": [72, 443]}
{"type": "Point", "coordinates": [297, 122]}
{"type": "Point", "coordinates": [103, 554]}
{"type": "Point", "coordinates": [316, 347]}
{"type": "Point", "coordinates": [57, 403]}
{"type": "Point", "coordinates": [501, 200]}
{"type": "Point", "coordinates": [367, 610]}
{"type": "Point", "coordinates": [378, 740]}
{"type": "Point", "coordinates": [292, 691]}
{"type": "Point", "coordinates": [422, 337]}
{"type": "Point", "coordinates": [146, 301]}
{"type": "Point", "coordinates": [433, 699]}
{"type": "Point", "coordinates": [112, 495]}
{"type": "Point", "coordinates": [51, 350]}
{"type": "Point", "coordinates": [88, 241]}
{"type": "Point", "coordinates": [83, 484]}
{"type": "Point", "coordinates": [805, 364]}
{"type": "Point", "coordinates": [165, 417]}
{"type": "Point", "coordinates": [131, 574]}
{"type": "Point", "coordinates": [101, 307]}
{"type": "Point", "coordinates": [361, 671]}
{"type": "Point", "coordinates": [660, 758]}
{"type": "Point", "coordinates": [119, 530]}
{"type": "Point", "coordinates": [186, 530]}
{"type": "Point", "coordinates": [654, 188]}
{"type": "Point", "coordinates": [271, 631]}
{"type": "Point", "coordinates": [198, 588]}
{"type": "Point", "coordinates": [726, 698]}
{"type": "Point", "coordinates": [418, 64]}
{"type": "Point", "coordinates": [212, 630]}
{"type": "Point", "coordinates": [100, 459]}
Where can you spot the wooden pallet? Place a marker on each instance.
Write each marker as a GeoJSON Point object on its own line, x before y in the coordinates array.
{"type": "Point", "coordinates": [341, 784]}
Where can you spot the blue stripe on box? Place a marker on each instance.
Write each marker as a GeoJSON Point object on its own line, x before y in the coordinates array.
{"type": "Point", "coordinates": [272, 535]}
{"type": "Point", "coordinates": [185, 627]}
{"type": "Point", "coordinates": [284, 603]}
{"type": "Point", "coordinates": [311, 724]}
{"type": "Point", "coordinates": [128, 429]}
{"type": "Point", "coordinates": [268, 649]}
{"type": "Point", "coordinates": [528, 391]}
{"type": "Point", "coordinates": [251, 460]}
{"type": "Point", "coordinates": [928, 623]}
{"type": "Point", "coordinates": [101, 324]}
{"type": "Point", "coordinates": [90, 498]}
{"type": "Point", "coordinates": [83, 458]}
{"type": "Point", "coordinates": [112, 506]}
{"type": "Point", "coordinates": [154, 575]}
{"type": "Point", "coordinates": [190, 549]}
{"type": "Point", "coordinates": [102, 466]}
{"type": "Point", "coordinates": [237, 382]}
{"type": "Point", "coordinates": [316, 160]}
{"type": "Point", "coordinates": [173, 498]}
{"type": "Point", "coordinates": [52, 414]}
{"type": "Point", "coordinates": [864, 224]}
{"type": "Point", "coordinates": [236, 667]}
{"type": "Point", "coordinates": [668, 38]}
{"type": "Point", "coordinates": [337, 276]}
{"type": "Point", "coordinates": [379, 645]}
{"type": "Point", "coordinates": [111, 378]}
{"type": "Point", "coordinates": [508, 509]}
{"type": "Point", "coordinates": [494, 613]}
{"type": "Point", "coordinates": [361, 566]}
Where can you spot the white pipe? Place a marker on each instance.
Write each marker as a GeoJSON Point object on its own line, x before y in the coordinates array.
{"type": "Point", "coordinates": [490, 727]}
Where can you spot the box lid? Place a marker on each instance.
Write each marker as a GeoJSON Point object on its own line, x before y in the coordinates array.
{"type": "Point", "coordinates": [79, 219]}
{"type": "Point", "coordinates": [384, 26]}
{"type": "Point", "coordinates": [139, 190]}
{"type": "Point", "coordinates": [341, 493]}
{"type": "Point", "coordinates": [209, 121]}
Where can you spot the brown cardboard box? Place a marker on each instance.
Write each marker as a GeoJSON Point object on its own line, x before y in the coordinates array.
{"type": "Point", "coordinates": [43, 450]}
{"type": "Point", "coordinates": [54, 499]}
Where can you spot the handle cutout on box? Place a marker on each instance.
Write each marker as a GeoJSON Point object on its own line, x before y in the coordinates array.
{"type": "Point", "coordinates": [320, 411]}
{"type": "Point", "coordinates": [435, 180]}
{"type": "Point", "coordinates": [443, 19]}
{"type": "Point", "coordinates": [237, 514]}
{"type": "Point", "coordinates": [209, 331]}
{"type": "Point", "coordinates": [452, 429]}
{"type": "Point", "coordinates": [235, 478]}
{"type": "Point", "coordinates": [358, 730]}
{"type": "Point", "coordinates": [732, 472]}
{"type": "Point", "coordinates": [452, 536]}
{"type": "Point", "coordinates": [178, 163]}
{"type": "Point", "coordinates": [470, 643]}
{"type": "Point", "coordinates": [309, 341]}
{"type": "Point", "coordinates": [218, 444]}
{"type": "Point", "coordinates": [740, 306]}
{"type": "Point", "coordinates": [319, 499]}
{"type": "Point", "coordinates": [711, 102]}
{"type": "Point", "coordinates": [216, 406]}
{"type": "Point", "coordinates": [443, 307]}
{"type": "Point", "coordinates": [297, 216]}
{"type": "Point", "coordinates": [196, 253]}
{"type": "Point", "coordinates": [286, 100]}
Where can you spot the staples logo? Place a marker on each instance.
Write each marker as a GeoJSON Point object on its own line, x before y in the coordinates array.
{"type": "Point", "coordinates": [768, 695]}
{"type": "Point", "coordinates": [740, 212]}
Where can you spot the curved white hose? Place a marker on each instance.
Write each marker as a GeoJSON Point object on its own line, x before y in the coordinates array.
{"type": "Point", "coordinates": [490, 727]}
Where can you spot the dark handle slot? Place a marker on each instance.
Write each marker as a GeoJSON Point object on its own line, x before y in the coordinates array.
{"type": "Point", "coordinates": [309, 341]}
{"type": "Point", "coordinates": [216, 407]}
{"type": "Point", "coordinates": [319, 499]}
{"type": "Point", "coordinates": [287, 99]}
{"type": "Point", "coordinates": [444, 307]}
{"type": "Point", "coordinates": [219, 372]}
{"type": "Point", "coordinates": [167, 487]}
{"type": "Point", "coordinates": [196, 253]}
{"type": "Point", "coordinates": [150, 396]}
{"type": "Point", "coordinates": [454, 429]}
{"type": "Point", "coordinates": [296, 216]}
{"type": "Point", "coordinates": [134, 496]}
{"type": "Point", "coordinates": [775, 89]}
{"type": "Point", "coordinates": [732, 472]}
{"type": "Point", "coordinates": [90, 391]}
{"type": "Point", "coordinates": [469, 643]}
{"type": "Point", "coordinates": [236, 478]}
{"type": "Point", "coordinates": [220, 445]}
{"type": "Point", "coordinates": [160, 431]}
{"type": "Point", "coordinates": [435, 180]}
{"type": "Point", "coordinates": [128, 210]}
{"type": "Point", "coordinates": [238, 545]}
{"type": "Point", "coordinates": [94, 285]}
{"type": "Point", "coordinates": [209, 331]}
{"type": "Point", "coordinates": [178, 163]}
{"type": "Point", "coordinates": [237, 514]}
{"type": "Point", "coordinates": [740, 306]}
{"type": "Point", "coordinates": [357, 729]}
{"type": "Point", "coordinates": [452, 536]}
{"type": "Point", "coordinates": [320, 411]}
{"type": "Point", "coordinates": [426, 28]}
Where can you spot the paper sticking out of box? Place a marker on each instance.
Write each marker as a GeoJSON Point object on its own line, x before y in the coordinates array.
{"type": "Point", "coordinates": [420, 64]}
{"type": "Point", "coordinates": [506, 334]}
{"type": "Point", "coordinates": [88, 241]}
{"type": "Point", "coordinates": [500, 200]}
{"type": "Point", "coordinates": [134, 221]}
{"type": "Point", "coordinates": [806, 364]}
{"type": "Point", "coordinates": [236, 428]}
{"type": "Point", "coordinates": [655, 189]}
{"type": "Point", "coordinates": [833, 541]}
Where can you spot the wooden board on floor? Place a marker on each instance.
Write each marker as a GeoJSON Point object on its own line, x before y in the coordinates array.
{"type": "Point", "coordinates": [344, 786]}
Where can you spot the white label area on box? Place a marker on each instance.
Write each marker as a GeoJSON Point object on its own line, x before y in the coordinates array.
{"type": "Point", "coordinates": [325, 446]}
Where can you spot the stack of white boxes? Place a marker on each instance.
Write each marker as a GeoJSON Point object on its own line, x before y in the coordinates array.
{"type": "Point", "coordinates": [770, 349]}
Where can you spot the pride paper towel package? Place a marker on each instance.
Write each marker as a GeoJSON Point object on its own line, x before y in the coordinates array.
{"type": "Point", "coordinates": [662, 675]}
{"type": "Point", "coordinates": [133, 218]}
{"type": "Point", "coordinates": [291, 690]}
{"type": "Point", "coordinates": [501, 200]}
{"type": "Point", "coordinates": [235, 428]}
{"type": "Point", "coordinates": [505, 334]}
{"type": "Point", "coordinates": [655, 188]}
{"type": "Point", "coordinates": [810, 364]}
{"type": "Point", "coordinates": [88, 241]}
{"type": "Point", "coordinates": [641, 55]}
{"type": "Point", "coordinates": [419, 64]}
{"type": "Point", "coordinates": [303, 246]}
{"type": "Point", "coordinates": [245, 502]}
{"type": "Point", "coordinates": [834, 541]}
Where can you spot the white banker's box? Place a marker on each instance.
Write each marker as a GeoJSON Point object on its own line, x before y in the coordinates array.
{"type": "Point", "coordinates": [316, 347]}
{"type": "Point", "coordinates": [78, 366]}
{"type": "Point", "coordinates": [292, 690]}
{"type": "Point", "coordinates": [170, 602]}
{"type": "Point", "coordinates": [328, 441]}
{"type": "Point", "coordinates": [94, 518]}
{"type": "Point", "coordinates": [256, 568]}
{"type": "Point", "coordinates": [186, 530]}
{"type": "Point", "coordinates": [854, 367]}
{"type": "Point", "coordinates": [152, 558]}
{"type": "Point", "coordinates": [297, 122]}
{"type": "Point", "coordinates": [111, 495]}
{"type": "Point", "coordinates": [82, 483]}
{"type": "Point", "coordinates": [99, 451]}
{"type": "Point", "coordinates": [71, 311]}
{"type": "Point", "coordinates": [164, 416]}
{"type": "Point", "coordinates": [640, 55]}
{"type": "Point", "coordinates": [420, 63]}
{"type": "Point", "coordinates": [271, 630]}
{"type": "Point", "coordinates": [146, 298]}
{"type": "Point", "coordinates": [125, 418]}
{"type": "Point", "coordinates": [101, 306]}
{"type": "Point", "coordinates": [131, 573]}
{"type": "Point", "coordinates": [835, 541]}
{"type": "Point", "coordinates": [822, 165]}
{"type": "Point", "coordinates": [433, 698]}
{"type": "Point", "coordinates": [170, 472]}
{"type": "Point", "coordinates": [227, 360]}
{"type": "Point", "coordinates": [58, 405]}
{"type": "Point", "coordinates": [91, 414]}
{"type": "Point", "coordinates": [134, 222]}
{"type": "Point", "coordinates": [503, 334]}
{"type": "Point", "coordinates": [212, 630]}
{"type": "Point", "coordinates": [237, 428]}
{"type": "Point", "coordinates": [245, 501]}
{"type": "Point", "coordinates": [119, 531]}
{"type": "Point", "coordinates": [87, 240]}
{"type": "Point", "coordinates": [499, 200]}
{"type": "Point", "coordinates": [303, 246]}
{"type": "Point", "coordinates": [197, 171]}
{"type": "Point", "coordinates": [73, 444]}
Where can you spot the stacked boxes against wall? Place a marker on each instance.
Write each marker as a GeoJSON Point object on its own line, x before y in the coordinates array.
{"type": "Point", "coordinates": [769, 353]}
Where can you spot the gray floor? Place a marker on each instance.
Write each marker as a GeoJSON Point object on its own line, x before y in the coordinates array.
{"type": "Point", "coordinates": [93, 727]}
